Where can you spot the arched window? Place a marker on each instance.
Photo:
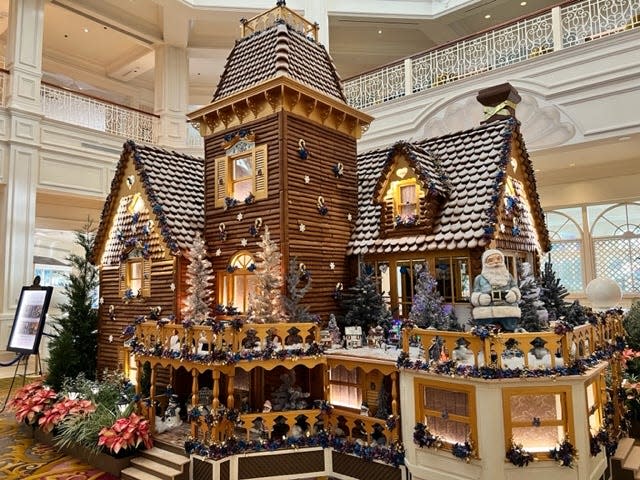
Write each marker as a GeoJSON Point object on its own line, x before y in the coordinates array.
{"type": "Point", "coordinates": [566, 247]}
{"type": "Point", "coordinates": [616, 245]}
{"type": "Point", "coordinates": [236, 282]}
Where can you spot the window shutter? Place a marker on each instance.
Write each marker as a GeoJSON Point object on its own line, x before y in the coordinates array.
{"type": "Point", "coordinates": [220, 189]}
{"type": "Point", "coordinates": [122, 277]}
{"type": "Point", "coordinates": [260, 183]}
{"type": "Point", "coordinates": [146, 277]}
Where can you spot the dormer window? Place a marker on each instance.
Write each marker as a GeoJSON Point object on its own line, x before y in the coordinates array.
{"type": "Point", "coordinates": [406, 202]}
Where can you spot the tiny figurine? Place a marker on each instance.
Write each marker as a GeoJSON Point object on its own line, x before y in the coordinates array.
{"type": "Point", "coordinates": [495, 293]}
{"type": "Point", "coordinates": [174, 341]}
{"type": "Point", "coordinates": [266, 408]}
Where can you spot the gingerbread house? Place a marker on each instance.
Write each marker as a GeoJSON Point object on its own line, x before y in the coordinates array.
{"type": "Point", "coordinates": [442, 201]}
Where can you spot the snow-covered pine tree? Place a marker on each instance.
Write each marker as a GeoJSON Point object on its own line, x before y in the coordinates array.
{"type": "Point", "coordinates": [265, 304]}
{"type": "Point", "coordinates": [298, 285]}
{"type": "Point", "coordinates": [552, 293]}
{"type": "Point", "coordinates": [428, 309]}
{"type": "Point", "coordinates": [364, 305]}
{"type": "Point", "coordinates": [199, 276]}
{"type": "Point", "coordinates": [533, 317]}
{"type": "Point", "coordinates": [631, 324]}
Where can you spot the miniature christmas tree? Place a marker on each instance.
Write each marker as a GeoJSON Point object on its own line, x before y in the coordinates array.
{"type": "Point", "coordinates": [265, 304]}
{"type": "Point", "coordinates": [428, 309]}
{"type": "Point", "coordinates": [576, 314]}
{"type": "Point", "coordinates": [365, 306]}
{"type": "Point", "coordinates": [533, 318]}
{"type": "Point", "coordinates": [552, 293]}
{"type": "Point", "coordinates": [199, 274]}
{"type": "Point", "coordinates": [74, 349]}
{"type": "Point", "coordinates": [298, 284]}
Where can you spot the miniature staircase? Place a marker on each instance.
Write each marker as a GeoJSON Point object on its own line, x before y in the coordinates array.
{"type": "Point", "coordinates": [625, 463]}
{"type": "Point", "coordinates": [157, 464]}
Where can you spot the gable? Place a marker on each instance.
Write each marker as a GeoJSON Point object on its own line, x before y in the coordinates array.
{"type": "Point", "coordinates": [133, 229]}
{"type": "Point", "coordinates": [172, 185]}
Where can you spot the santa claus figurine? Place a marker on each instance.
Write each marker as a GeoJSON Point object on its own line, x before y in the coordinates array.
{"type": "Point", "coordinates": [495, 293]}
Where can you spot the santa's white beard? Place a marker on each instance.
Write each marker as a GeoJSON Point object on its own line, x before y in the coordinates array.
{"type": "Point", "coordinates": [497, 276]}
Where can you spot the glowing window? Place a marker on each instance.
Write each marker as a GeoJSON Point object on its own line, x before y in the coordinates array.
{"type": "Point", "coordinates": [345, 387]}
{"type": "Point", "coordinates": [237, 282]}
{"type": "Point", "coordinates": [537, 417]}
{"type": "Point", "coordinates": [447, 411]}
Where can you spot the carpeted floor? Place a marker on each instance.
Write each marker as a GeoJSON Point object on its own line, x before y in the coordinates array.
{"type": "Point", "coordinates": [22, 458]}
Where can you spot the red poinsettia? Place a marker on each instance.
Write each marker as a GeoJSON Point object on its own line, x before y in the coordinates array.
{"type": "Point", "coordinates": [126, 433]}
{"type": "Point", "coordinates": [61, 409]}
{"type": "Point", "coordinates": [32, 401]}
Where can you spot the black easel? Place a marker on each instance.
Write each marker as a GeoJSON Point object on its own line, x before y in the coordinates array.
{"type": "Point", "coordinates": [26, 330]}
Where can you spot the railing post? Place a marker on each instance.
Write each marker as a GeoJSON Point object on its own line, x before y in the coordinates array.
{"type": "Point", "coordinates": [408, 76]}
{"type": "Point", "coordinates": [556, 27]}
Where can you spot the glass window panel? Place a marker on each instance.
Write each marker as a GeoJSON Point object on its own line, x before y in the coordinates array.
{"type": "Point", "coordinates": [450, 431]}
{"type": "Point", "coordinates": [563, 227]}
{"type": "Point", "coordinates": [461, 272]}
{"type": "Point", "coordinates": [135, 270]}
{"type": "Point", "coordinates": [242, 168]}
{"type": "Point", "coordinates": [619, 259]}
{"type": "Point", "coordinates": [446, 401]}
{"type": "Point", "coordinates": [443, 278]}
{"type": "Point", "coordinates": [594, 211]}
{"type": "Point", "coordinates": [242, 189]}
{"type": "Point", "coordinates": [538, 439]}
{"type": "Point", "coordinates": [239, 291]}
{"type": "Point", "coordinates": [524, 408]}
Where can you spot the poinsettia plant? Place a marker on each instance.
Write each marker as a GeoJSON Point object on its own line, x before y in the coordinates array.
{"type": "Point", "coordinates": [126, 433]}
{"type": "Point", "coordinates": [32, 401]}
{"type": "Point", "coordinates": [63, 408]}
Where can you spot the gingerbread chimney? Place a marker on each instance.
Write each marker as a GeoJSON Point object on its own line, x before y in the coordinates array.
{"type": "Point", "coordinates": [499, 102]}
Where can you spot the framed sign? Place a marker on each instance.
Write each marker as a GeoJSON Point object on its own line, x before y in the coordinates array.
{"type": "Point", "coordinates": [28, 322]}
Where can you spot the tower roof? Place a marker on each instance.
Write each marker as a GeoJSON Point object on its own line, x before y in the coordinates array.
{"type": "Point", "coordinates": [279, 50]}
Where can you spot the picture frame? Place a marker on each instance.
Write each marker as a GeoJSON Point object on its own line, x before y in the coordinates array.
{"type": "Point", "coordinates": [28, 322]}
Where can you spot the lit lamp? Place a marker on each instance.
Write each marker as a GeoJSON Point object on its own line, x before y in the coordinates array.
{"type": "Point", "coordinates": [122, 404]}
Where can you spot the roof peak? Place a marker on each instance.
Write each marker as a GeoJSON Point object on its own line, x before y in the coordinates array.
{"type": "Point", "coordinates": [279, 13]}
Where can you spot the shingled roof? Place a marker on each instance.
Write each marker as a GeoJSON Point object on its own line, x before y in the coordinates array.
{"type": "Point", "coordinates": [279, 50]}
{"type": "Point", "coordinates": [174, 186]}
{"type": "Point", "coordinates": [474, 163]}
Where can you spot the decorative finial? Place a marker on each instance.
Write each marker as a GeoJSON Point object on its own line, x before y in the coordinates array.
{"type": "Point", "coordinates": [281, 3]}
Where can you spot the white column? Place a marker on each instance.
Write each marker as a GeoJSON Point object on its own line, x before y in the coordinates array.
{"type": "Point", "coordinates": [18, 199]}
{"type": "Point", "coordinates": [317, 11]}
{"type": "Point", "coordinates": [172, 95]}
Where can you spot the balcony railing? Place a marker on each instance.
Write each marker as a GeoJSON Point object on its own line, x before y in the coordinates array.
{"type": "Point", "coordinates": [548, 31]}
{"type": "Point", "coordinates": [86, 111]}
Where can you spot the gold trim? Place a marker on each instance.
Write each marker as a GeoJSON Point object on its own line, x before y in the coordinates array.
{"type": "Point", "coordinates": [282, 94]}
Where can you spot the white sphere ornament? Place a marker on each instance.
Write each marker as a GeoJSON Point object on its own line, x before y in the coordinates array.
{"type": "Point", "coordinates": [603, 293]}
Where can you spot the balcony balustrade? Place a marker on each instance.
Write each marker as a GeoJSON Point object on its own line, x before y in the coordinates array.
{"type": "Point", "coordinates": [545, 32]}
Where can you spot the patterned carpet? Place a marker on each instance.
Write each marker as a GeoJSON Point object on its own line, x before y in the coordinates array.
{"type": "Point", "coordinates": [21, 458]}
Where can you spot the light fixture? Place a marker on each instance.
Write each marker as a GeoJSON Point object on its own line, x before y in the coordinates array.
{"type": "Point", "coordinates": [380, 31]}
{"type": "Point", "coordinates": [522, 4]}
{"type": "Point", "coordinates": [487, 16]}
{"type": "Point", "coordinates": [537, 170]}
{"type": "Point", "coordinates": [624, 139]}
{"type": "Point", "coordinates": [85, 30]}
{"type": "Point", "coordinates": [572, 164]}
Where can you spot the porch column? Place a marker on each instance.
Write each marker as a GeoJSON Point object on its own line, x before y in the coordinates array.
{"type": "Point", "coordinates": [20, 158]}
{"type": "Point", "coordinates": [152, 400]}
{"type": "Point", "coordinates": [230, 387]}
{"type": "Point", "coordinates": [215, 402]}
{"type": "Point", "coordinates": [194, 402]}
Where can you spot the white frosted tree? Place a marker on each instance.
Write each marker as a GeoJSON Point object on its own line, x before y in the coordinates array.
{"type": "Point", "coordinates": [199, 276]}
{"type": "Point", "coordinates": [265, 303]}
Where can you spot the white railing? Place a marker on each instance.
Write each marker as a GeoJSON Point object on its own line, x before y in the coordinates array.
{"type": "Point", "coordinates": [558, 28]}
{"type": "Point", "coordinates": [85, 111]}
